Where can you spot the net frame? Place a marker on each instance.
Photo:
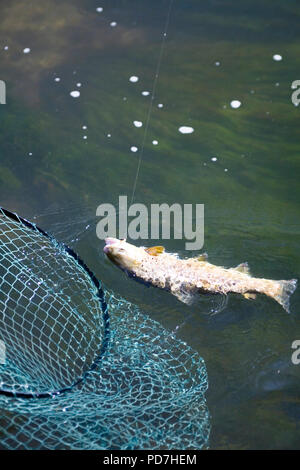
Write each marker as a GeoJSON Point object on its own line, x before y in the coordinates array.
{"type": "Point", "coordinates": [102, 303]}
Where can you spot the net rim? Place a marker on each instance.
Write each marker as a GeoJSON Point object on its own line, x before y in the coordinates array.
{"type": "Point", "coordinates": [103, 305]}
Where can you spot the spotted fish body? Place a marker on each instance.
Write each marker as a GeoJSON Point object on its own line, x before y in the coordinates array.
{"type": "Point", "coordinates": [185, 278]}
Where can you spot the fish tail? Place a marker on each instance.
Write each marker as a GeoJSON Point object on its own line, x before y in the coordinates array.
{"type": "Point", "coordinates": [283, 292]}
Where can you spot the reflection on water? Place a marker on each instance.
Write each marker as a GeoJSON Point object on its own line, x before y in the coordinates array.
{"type": "Point", "coordinates": [221, 82]}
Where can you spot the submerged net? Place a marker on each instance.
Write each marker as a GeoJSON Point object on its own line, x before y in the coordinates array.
{"type": "Point", "coordinates": [127, 385]}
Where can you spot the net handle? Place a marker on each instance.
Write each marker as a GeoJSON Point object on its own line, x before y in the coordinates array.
{"type": "Point", "coordinates": [100, 294]}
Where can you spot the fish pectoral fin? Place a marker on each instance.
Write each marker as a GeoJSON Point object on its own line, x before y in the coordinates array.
{"type": "Point", "coordinates": [243, 268]}
{"type": "Point", "coordinates": [185, 297]}
{"type": "Point", "coordinates": [155, 250]}
{"type": "Point", "coordinates": [249, 296]}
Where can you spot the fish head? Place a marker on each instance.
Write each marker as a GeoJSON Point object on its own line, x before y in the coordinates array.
{"type": "Point", "coordinates": [123, 254]}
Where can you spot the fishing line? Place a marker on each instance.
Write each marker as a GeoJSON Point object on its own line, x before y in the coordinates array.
{"type": "Point", "coordinates": [162, 47]}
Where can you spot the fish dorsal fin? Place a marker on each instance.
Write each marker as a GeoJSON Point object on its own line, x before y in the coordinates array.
{"type": "Point", "coordinates": [243, 268]}
{"type": "Point", "coordinates": [155, 250]}
{"type": "Point", "coordinates": [202, 257]}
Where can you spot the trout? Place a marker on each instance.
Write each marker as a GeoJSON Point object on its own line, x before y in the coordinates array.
{"type": "Point", "coordinates": [184, 278]}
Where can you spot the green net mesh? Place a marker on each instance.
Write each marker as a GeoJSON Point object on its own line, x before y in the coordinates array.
{"type": "Point", "coordinates": [70, 378]}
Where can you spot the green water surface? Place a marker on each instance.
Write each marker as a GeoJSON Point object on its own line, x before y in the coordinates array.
{"type": "Point", "coordinates": [214, 52]}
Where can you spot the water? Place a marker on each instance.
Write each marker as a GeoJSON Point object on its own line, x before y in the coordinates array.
{"type": "Point", "coordinates": [62, 155]}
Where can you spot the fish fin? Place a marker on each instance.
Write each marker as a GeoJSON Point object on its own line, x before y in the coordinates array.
{"type": "Point", "coordinates": [243, 268]}
{"type": "Point", "coordinates": [155, 250]}
{"type": "Point", "coordinates": [184, 297]}
{"type": "Point", "coordinates": [286, 290]}
{"type": "Point", "coordinates": [202, 257]}
{"type": "Point", "coordinates": [250, 296]}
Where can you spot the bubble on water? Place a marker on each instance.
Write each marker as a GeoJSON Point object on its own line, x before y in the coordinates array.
{"type": "Point", "coordinates": [84, 137]}
{"type": "Point", "coordinates": [57, 79]}
{"type": "Point", "coordinates": [235, 104]}
{"type": "Point", "coordinates": [145, 93]}
{"type": "Point", "coordinates": [30, 153]}
{"type": "Point", "coordinates": [99, 9]}
{"type": "Point", "coordinates": [154, 142]}
{"type": "Point", "coordinates": [160, 105]}
{"type": "Point", "coordinates": [225, 169]}
{"type": "Point", "coordinates": [277, 57]}
{"type": "Point", "coordinates": [134, 79]}
{"type": "Point", "coordinates": [26, 50]}
{"type": "Point", "coordinates": [5, 48]}
{"type": "Point", "coordinates": [186, 130]}
{"type": "Point", "coordinates": [137, 123]}
{"type": "Point", "coordinates": [113, 24]}
{"type": "Point", "coordinates": [134, 149]}
{"type": "Point", "coordinates": [217, 63]}
{"type": "Point", "coordinates": [108, 135]}
{"type": "Point", "coordinates": [75, 93]}
{"type": "Point", "coordinates": [214, 159]}
{"type": "Point", "coordinates": [78, 84]}
{"type": "Point", "coordinates": [84, 127]}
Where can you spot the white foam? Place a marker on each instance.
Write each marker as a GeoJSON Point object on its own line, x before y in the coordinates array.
{"type": "Point", "coordinates": [134, 149]}
{"type": "Point", "coordinates": [145, 93]}
{"type": "Point", "coordinates": [26, 50]}
{"type": "Point", "coordinates": [78, 84]}
{"type": "Point", "coordinates": [113, 24]}
{"type": "Point", "coordinates": [75, 93]}
{"type": "Point", "coordinates": [214, 159]}
{"type": "Point", "coordinates": [57, 79]}
{"type": "Point", "coordinates": [84, 137]}
{"type": "Point", "coordinates": [154, 142]}
{"type": "Point", "coordinates": [5, 48]}
{"type": "Point", "coordinates": [99, 9]}
{"type": "Point", "coordinates": [84, 127]}
{"type": "Point", "coordinates": [217, 63]}
{"type": "Point", "coordinates": [137, 123]}
{"type": "Point", "coordinates": [277, 57]}
{"type": "Point", "coordinates": [134, 79]}
{"type": "Point", "coordinates": [160, 105]}
{"type": "Point", "coordinates": [186, 130]}
{"type": "Point", "coordinates": [235, 104]}
{"type": "Point", "coordinates": [108, 135]}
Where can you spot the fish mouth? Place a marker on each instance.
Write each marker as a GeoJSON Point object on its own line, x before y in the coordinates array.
{"type": "Point", "coordinates": [108, 243]}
